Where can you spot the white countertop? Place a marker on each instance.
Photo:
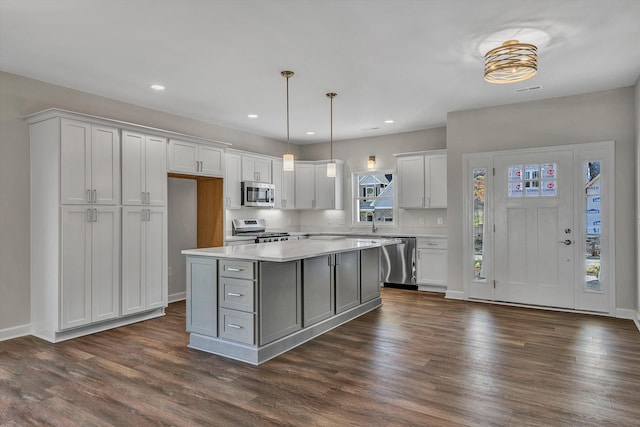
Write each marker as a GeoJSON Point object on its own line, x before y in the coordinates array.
{"type": "Point", "coordinates": [289, 250]}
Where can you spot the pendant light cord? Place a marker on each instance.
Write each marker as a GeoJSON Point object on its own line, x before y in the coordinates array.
{"type": "Point", "coordinates": [331, 95]}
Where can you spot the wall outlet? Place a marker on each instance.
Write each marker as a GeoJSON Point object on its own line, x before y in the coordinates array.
{"type": "Point", "coordinates": [440, 220]}
{"type": "Point", "coordinates": [170, 271]}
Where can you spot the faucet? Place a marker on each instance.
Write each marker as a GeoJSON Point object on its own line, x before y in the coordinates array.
{"type": "Point", "coordinates": [373, 221]}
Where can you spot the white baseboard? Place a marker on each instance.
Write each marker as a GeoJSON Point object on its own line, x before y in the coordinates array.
{"type": "Point", "coordinates": [454, 295]}
{"type": "Point", "coordinates": [15, 332]}
{"type": "Point", "coordinates": [177, 297]}
{"type": "Point", "coordinates": [625, 313]}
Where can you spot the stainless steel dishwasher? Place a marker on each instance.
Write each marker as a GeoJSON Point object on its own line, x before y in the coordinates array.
{"type": "Point", "coordinates": [398, 264]}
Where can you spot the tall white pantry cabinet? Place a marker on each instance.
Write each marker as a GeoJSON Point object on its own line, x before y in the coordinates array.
{"type": "Point", "coordinates": [76, 226]}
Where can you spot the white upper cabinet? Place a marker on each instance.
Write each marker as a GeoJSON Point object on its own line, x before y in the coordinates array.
{"type": "Point", "coordinates": [314, 190]}
{"type": "Point", "coordinates": [284, 182]}
{"type": "Point", "coordinates": [195, 158]}
{"type": "Point", "coordinates": [422, 180]}
{"type": "Point", "coordinates": [328, 190]}
{"type": "Point", "coordinates": [411, 180]}
{"type": "Point", "coordinates": [144, 169]}
{"type": "Point", "coordinates": [89, 163]}
{"type": "Point", "coordinates": [435, 175]}
{"type": "Point", "coordinates": [232, 179]}
{"type": "Point", "coordinates": [305, 185]}
{"type": "Point", "coordinates": [256, 169]}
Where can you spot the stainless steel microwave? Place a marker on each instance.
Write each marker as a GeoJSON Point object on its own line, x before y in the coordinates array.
{"type": "Point", "coordinates": [258, 194]}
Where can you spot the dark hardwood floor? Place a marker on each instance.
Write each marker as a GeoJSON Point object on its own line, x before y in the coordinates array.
{"type": "Point", "coordinates": [419, 360]}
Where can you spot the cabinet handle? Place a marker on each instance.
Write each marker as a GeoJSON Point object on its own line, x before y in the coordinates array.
{"type": "Point", "coordinates": [234, 326]}
{"type": "Point", "coordinates": [432, 244]}
{"type": "Point", "coordinates": [237, 269]}
{"type": "Point", "coordinates": [89, 215]}
{"type": "Point", "coordinates": [337, 259]}
{"type": "Point", "coordinates": [95, 196]}
{"type": "Point", "coordinates": [428, 201]}
{"type": "Point", "coordinates": [422, 200]}
{"type": "Point", "coordinates": [148, 198]}
{"type": "Point", "coordinates": [284, 203]}
{"type": "Point", "coordinates": [88, 196]}
{"type": "Point", "coordinates": [313, 203]}
{"type": "Point", "coordinates": [148, 214]}
{"type": "Point", "coordinates": [234, 294]}
{"type": "Point", "coordinates": [95, 215]}
{"type": "Point", "coordinates": [143, 197]}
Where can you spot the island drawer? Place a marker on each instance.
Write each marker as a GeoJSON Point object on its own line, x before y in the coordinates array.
{"type": "Point", "coordinates": [236, 294]}
{"type": "Point", "coordinates": [237, 326]}
{"type": "Point", "coordinates": [432, 243]}
{"type": "Point", "coordinates": [237, 269]}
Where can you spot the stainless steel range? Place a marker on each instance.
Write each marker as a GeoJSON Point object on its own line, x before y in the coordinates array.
{"type": "Point", "coordinates": [256, 227]}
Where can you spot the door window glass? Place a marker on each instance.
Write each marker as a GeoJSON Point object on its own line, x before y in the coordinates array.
{"type": "Point", "coordinates": [593, 232]}
{"type": "Point", "coordinates": [479, 194]}
{"type": "Point", "coordinates": [533, 180]}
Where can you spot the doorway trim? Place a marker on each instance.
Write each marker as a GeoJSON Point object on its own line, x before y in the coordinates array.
{"type": "Point", "coordinates": [486, 160]}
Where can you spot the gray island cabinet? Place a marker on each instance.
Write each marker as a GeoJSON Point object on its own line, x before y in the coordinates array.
{"type": "Point", "coordinates": [254, 302]}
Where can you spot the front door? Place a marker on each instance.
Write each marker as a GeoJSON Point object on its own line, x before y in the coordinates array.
{"type": "Point", "coordinates": [534, 228]}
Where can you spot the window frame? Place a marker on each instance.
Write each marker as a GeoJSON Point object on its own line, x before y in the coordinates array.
{"type": "Point", "coordinates": [355, 198]}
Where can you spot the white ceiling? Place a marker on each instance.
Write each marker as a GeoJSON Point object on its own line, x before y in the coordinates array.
{"type": "Point", "coordinates": [407, 60]}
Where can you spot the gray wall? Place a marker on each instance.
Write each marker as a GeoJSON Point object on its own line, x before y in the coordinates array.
{"type": "Point", "coordinates": [182, 215]}
{"type": "Point", "coordinates": [355, 153]}
{"type": "Point", "coordinates": [21, 96]}
{"type": "Point", "coordinates": [601, 116]}
{"type": "Point", "coordinates": [637, 99]}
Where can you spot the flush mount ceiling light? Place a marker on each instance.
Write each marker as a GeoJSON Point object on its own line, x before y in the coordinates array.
{"type": "Point", "coordinates": [331, 166]}
{"type": "Point", "coordinates": [157, 87]}
{"type": "Point", "coordinates": [287, 158]}
{"type": "Point", "coordinates": [252, 116]}
{"type": "Point", "coordinates": [511, 62]}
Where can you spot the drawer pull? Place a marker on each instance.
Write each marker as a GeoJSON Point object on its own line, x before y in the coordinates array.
{"type": "Point", "coordinates": [234, 326]}
{"type": "Point", "coordinates": [234, 294]}
{"type": "Point", "coordinates": [432, 244]}
{"type": "Point", "coordinates": [235, 269]}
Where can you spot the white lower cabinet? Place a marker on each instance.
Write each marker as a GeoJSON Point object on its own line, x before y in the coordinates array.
{"type": "Point", "coordinates": [431, 263]}
{"type": "Point", "coordinates": [90, 265]}
{"type": "Point", "coordinates": [144, 259]}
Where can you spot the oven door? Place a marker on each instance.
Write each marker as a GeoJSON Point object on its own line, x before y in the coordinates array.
{"type": "Point", "coordinates": [257, 194]}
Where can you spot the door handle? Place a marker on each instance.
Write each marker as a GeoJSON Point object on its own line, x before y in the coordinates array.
{"type": "Point", "coordinates": [566, 242]}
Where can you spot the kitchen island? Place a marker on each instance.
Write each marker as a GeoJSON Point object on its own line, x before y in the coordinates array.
{"type": "Point", "coordinates": [254, 302]}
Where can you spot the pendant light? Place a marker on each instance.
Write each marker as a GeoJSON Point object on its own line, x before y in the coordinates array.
{"type": "Point", "coordinates": [331, 166]}
{"type": "Point", "coordinates": [287, 159]}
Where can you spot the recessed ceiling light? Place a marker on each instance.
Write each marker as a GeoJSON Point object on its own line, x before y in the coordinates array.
{"type": "Point", "coordinates": [311, 133]}
{"type": "Point", "coordinates": [252, 116]}
{"type": "Point", "coordinates": [389, 121]}
{"type": "Point", "coordinates": [157, 87]}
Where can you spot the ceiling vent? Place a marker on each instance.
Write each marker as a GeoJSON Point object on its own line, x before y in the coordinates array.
{"type": "Point", "coordinates": [528, 89]}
